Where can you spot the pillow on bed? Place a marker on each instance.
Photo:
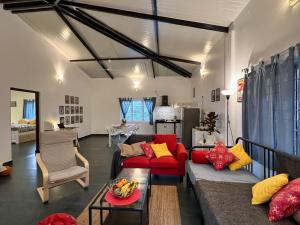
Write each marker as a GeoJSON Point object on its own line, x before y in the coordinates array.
{"type": "Point", "coordinates": [199, 157]}
{"type": "Point", "coordinates": [32, 122]}
{"type": "Point", "coordinates": [286, 202]}
{"type": "Point", "coordinates": [220, 157]}
{"type": "Point", "coordinates": [23, 121]}
{"type": "Point", "coordinates": [244, 158]}
{"type": "Point", "coordinates": [263, 191]}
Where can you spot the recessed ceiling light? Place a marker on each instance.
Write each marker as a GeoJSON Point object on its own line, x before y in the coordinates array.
{"type": "Point", "coordinates": [293, 2]}
{"type": "Point", "coordinates": [65, 34]}
{"type": "Point", "coordinates": [137, 69]}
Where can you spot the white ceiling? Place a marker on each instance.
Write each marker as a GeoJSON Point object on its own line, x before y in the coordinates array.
{"type": "Point", "coordinates": [174, 41]}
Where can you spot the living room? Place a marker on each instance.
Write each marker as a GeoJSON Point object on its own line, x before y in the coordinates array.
{"type": "Point", "coordinates": [116, 73]}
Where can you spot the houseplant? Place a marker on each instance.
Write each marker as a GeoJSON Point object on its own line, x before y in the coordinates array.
{"type": "Point", "coordinates": [210, 127]}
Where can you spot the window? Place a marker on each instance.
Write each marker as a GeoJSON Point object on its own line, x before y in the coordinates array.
{"type": "Point", "coordinates": [137, 112]}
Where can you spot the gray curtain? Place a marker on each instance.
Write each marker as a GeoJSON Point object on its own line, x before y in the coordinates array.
{"type": "Point", "coordinates": [124, 105]}
{"type": "Point", "coordinates": [268, 105]}
{"type": "Point", "coordinates": [150, 105]}
{"type": "Point", "coordinates": [298, 97]}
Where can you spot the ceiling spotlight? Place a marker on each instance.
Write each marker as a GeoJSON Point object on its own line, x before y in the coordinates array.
{"type": "Point", "coordinates": [137, 69]}
{"type": "Point", "coordinates": [60, 78]}
{"type": "Point", "coordinates": [65, 34]}
{"type": "Point", "coordinates": [293, 2]}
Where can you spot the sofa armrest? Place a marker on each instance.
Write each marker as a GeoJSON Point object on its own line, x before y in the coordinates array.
{"type": "Point", "coordinates": [181, 156]}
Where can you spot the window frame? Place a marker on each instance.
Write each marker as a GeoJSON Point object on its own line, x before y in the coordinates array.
{"type": "Point", "coordinates": [131, 109]}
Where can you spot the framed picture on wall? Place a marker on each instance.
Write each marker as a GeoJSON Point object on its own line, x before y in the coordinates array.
{"type": "Point", "coordinates": [81, 119]}
{"type": "Point", "coordinates": [13, 104]}
{"type": "Point", "coordinates": [81, 109]}
{"type": "Point", "coordinates": [61, 110]}
{"type": "Point", "coordinates": [240, 89]}
{"type": "Point", "coordinates": [77, 100]}
{"type": "Point", "coordinates": [67, 99]}
{"type": "Point", "coordinates": [72, 119]}
{"type": "Point", "coordinates": [67, 120]}
{"type": "Point", "coordinates": [76, 119]}
{"type": "Point", "coordinates": [62, 120]}
{"type": "Point", "coordinates": [72, 99]}
{"type": "Point", "coordinates": [72, 109]}
{"type": "Point", "coordinates": [76, 109]}
{"type": "Point", "coordinates": [213, 95]}
{"type": "Point", "coordinates": [218, 94]}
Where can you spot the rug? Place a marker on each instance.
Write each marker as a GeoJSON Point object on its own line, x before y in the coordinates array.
{"type": "Point", "coordinates": [164, 208]}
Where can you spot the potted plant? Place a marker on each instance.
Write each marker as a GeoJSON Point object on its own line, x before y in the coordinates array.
{"type": "Point", "coordinates": [211, 128]}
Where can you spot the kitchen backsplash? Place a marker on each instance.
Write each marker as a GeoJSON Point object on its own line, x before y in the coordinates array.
{"type": "Point", "coordinates": [166, 113]}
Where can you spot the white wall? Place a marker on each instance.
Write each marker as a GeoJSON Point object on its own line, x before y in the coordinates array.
{"type": "Point", "coordinates": [27, 61]}
{"type": "Point", "coordinates": [105, 94]}
{"type": "Point", "coordinates": [263, 29]}
{"type": "Point", "coordinates": [18, 97]}
{"type": "Point", "coordinates": [212, 78]}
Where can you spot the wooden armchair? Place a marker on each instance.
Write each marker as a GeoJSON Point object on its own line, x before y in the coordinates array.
{"type": "Point", "coordinates": [60, 162]}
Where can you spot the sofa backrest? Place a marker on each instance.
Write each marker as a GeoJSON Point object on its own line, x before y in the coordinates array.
{"type": "Point", "coordinates": [139, 138]}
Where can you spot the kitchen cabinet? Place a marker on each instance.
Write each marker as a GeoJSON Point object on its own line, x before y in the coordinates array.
{"type": "Point", "coordinates": [165, 128]}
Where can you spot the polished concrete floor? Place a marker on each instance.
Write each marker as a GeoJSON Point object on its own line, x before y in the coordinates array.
{"type": "Point", "coordinates": [20, 203]}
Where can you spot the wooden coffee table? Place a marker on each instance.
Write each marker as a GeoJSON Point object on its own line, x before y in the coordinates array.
{"type": "Point", "coordinates": [136, 213]}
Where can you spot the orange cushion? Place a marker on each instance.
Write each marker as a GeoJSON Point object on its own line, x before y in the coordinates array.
{"type": "Point", "coordinates": [136, 162]}
{"type": "Point", "coordinates": [164, 162]}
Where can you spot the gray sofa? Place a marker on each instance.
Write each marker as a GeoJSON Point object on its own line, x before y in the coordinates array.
{"type": "Point", "coordinates": [225, 196]}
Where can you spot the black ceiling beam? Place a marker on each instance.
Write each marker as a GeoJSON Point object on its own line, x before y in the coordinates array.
{"type": "Point", "coordinates": [154, 12]}
{"type": "Point", "coordinates": [108, 31]}
{"type": "Point", "coordinates": [81, 39]}
{"type": "Point", "coordinates": [15, 6]}
{"type": "Point", "coordinates": [136, 58]}
{"type": "Point", "coordinates": [134, 14]}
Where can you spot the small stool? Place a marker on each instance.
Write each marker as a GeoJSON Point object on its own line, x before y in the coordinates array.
{"type": "Point", "coordinates": [58, 219]}
{"type": "Point", "coordinates": [6, 172]}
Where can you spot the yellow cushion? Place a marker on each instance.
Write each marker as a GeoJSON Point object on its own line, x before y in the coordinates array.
{"type": "Point", "coordinates": [23, 121]}
{"type": "Point", "coordinates": [161, 150]}
{"type": "Point", "coordinates": [244, 158]}
{"type": "Point", "coordinates": [32, 122]}
{"type": "Point", "coordinates": [263, 191]}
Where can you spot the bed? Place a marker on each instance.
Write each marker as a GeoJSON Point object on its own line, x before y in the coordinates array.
{"type": "Point", "coordinates": [21, 133]}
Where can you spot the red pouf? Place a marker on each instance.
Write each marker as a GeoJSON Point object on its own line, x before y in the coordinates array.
{"type": "Point", "coordinates": [58, 219]}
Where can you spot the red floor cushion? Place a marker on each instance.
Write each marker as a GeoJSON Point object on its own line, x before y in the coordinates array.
{"type": "Point", "coordinates": [58, 219]}
{"type": "Point", "coordinates": [136, 162]}
{"type": "Point", "coordinates": [169, 139]}
{"type": "Point", "coordinates": [164, 162]}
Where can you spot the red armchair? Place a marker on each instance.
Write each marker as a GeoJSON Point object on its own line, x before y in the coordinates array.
{"type": "Point", "coordinates": [170, 165]}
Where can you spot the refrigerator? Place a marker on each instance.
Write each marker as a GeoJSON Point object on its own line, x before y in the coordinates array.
{"type": "Point", "coordinates": [190, 118]}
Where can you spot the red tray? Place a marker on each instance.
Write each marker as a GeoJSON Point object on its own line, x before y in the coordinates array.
{"type": "Point", "coordinates": [123, 201]}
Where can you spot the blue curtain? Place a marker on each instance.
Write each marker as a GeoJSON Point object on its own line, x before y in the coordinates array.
{"type": "Point", "coordinates": [269, 104]}
{"type": "Point", "coordinates": [150, 105]}
{"type": "Point", "coordinates": [29, 109]}
{"type": "Point", "coordinates": [124, 105]}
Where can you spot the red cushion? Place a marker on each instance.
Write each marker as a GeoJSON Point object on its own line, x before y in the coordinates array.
{"type": "Point", "coordinates": [58, 219]}
{"type": "Point", "coordinates": [198, 156]}
{"type": "Point", "coordinates": [220, 157]}
{"type": "Point", "coordinates": [148, 150]}
{"type": "Point", "coordinates": [169, 139]}
{"type": "Point", "coordinates": [136, 162]}
{"type": "Point", "coordinates": [285, 202]}
{"type": "Point", "coordinates": [164, 162]}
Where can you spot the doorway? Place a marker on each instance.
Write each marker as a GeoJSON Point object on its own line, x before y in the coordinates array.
{"type": "Point", "coordinates": [25, 118]}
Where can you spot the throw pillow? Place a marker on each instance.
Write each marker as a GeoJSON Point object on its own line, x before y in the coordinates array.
{"type": "Point", "coordinates": [286, 202]}
{"type": "Point", "coordinates": [131, 150]}
{"type": "Point", "coordinates": [244, 158]}
{"type": "Point", "coordinates": [169, 139]}
{"type": "Point", "coordinates": [23, 121]}
{"type": "Point", "coordinates": [161, 150]}
{"type": "Point", "coordinates": [297, 216]}
{"type": "Point", "coordinates": [199, 157]}
{"type": "Point", "coordinates": [263, 191]}
{"type": "Point", "coordinates": [148, 150]}
{"type": "Point", "coordinates": [220, 157]}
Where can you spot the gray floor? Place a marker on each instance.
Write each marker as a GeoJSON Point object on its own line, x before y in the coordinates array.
{"type": "Point", "coordinates": [20, 204]}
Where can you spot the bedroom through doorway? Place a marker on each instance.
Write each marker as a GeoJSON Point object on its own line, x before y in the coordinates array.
{"type": "Point", "coordinates": [24, 105]}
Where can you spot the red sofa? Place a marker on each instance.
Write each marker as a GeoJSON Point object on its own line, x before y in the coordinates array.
{"type": "Point", "coordinates": [170, 165]}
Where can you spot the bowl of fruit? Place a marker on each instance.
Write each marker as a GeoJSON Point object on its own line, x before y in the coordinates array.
{"type": "Point", "coordinates": [122, 188]}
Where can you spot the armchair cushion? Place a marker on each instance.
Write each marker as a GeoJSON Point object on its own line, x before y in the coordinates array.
{"type": "Point", "coordinates": [164, 162]}
{"type": "Point", "coordinates": [66, 174]}
{"type": "Point", "coordinates": [169, 139]}
{"type": "Point", "coordinates": [136, 162]}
